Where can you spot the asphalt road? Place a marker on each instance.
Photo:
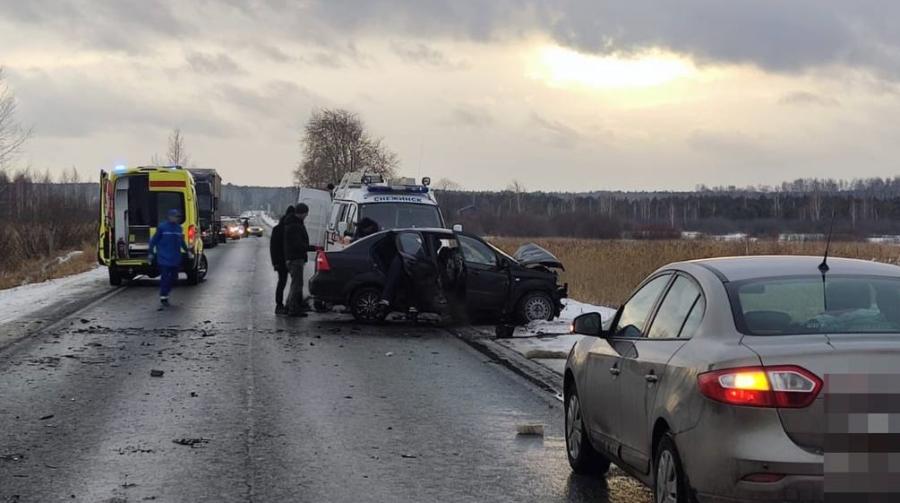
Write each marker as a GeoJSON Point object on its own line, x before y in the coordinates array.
{"type": "Point", "coordinates": [271, 409]}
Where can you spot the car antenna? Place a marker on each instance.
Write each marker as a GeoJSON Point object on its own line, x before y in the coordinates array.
{"type": "Point", "coordinates": [823, 267]}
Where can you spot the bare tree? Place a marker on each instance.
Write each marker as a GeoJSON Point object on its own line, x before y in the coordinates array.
{"type": "Point", "coordinates": [12, 134]}
{"type": "Point", "coordinates": [335, 142]}
{"type": "Point", "coordinates": [176, 154]}
{"type": "Point", "coordinates": [447, 184]}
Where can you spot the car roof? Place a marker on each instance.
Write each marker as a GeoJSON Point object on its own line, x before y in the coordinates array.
{"type": "Point", "coordinates": [768, 266]}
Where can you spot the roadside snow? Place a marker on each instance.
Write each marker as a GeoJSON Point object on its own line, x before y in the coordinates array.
{"type": "Point", "coordinates": [24, 300]}
{"type": "Point", "coordinates": [549, 342]}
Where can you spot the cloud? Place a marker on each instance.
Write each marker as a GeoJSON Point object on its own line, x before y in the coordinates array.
{"type": "Point", "coordinates": [424, 55]}
{"type": "Point", "coordinates": [470, 116]}
{"type": "Point", "coordinates": [217, 64]}
{"type": "Point", "coordinates": [555, 133]}
{"type": "Point", "coordinates": [73, 104]}
{"type": "Point", "coordinates": [808, 98]}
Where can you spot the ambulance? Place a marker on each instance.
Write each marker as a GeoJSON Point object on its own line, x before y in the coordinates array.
{"type": "Point", "coordinates": [132, 203]}
{"type": "Point", "coordinates": [392, 204]}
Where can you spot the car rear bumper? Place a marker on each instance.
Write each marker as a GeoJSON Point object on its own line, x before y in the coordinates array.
{"type": "Point", "coordinates": [731, 443]}
{"type": "Point", "coordinates": [328, 289]}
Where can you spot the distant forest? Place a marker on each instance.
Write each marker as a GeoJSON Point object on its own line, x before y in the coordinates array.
{"type": "Point", "coordinates": [861, 208]}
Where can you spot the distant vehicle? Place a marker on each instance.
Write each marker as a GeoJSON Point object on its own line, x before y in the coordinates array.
{"type": "Point", "coordinates": [255, 230]}
{"type": "Point", "coordinates": [232, 229]}
{"type": "Point", "coordinates": [209, 191]}
{"type": "Point", "coordinates": [448, 272]}
{"type": "Point", "coordinates": [392, 204]}
{"type": "Point", "coordinates": [132, 203]}
{"type": "Point", "coordinates": [707, 383]}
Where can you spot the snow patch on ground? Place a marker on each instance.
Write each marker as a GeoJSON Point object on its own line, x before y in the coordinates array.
{"type": "Point", "coordinates": [25, 300]}
{"type": "Point", "coordinates": [549, 342]}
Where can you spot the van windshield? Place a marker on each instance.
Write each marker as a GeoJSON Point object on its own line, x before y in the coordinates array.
{"type": "Point", "coordinates": [809, 305]}
{"type": "Point", "coordinates": [402, 215]}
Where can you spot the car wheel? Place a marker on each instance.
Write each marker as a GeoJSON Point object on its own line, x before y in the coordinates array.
{"type": "Point", "coordinates": [583, 458]}
{"type": "Point", "coordinates": [321, 306]}
{"type": "Point", "coordinates": [536, 306]}
{"type": "Point", "coordinates": [115, 279]}
{"type": "Point", "coordinates": [365, 305]}
{"type": "Point", "coordinates": [669, 485]}
{"type": "Point", "coordinates": [203, 268]}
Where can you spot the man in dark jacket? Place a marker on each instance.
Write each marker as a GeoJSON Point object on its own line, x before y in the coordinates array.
{"type": "Point", "coordinates": [276, 250]}
{"type": "Point", "coordinates": [296, 246]}
{"type": "Point", "coordinates": [166, 247]}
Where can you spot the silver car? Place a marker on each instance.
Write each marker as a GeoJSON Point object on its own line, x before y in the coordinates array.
{"type": "Point", "coordinates": [707, 384]}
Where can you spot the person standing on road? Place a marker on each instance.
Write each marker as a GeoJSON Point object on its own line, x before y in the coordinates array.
{"type": "Point", "coordinates": [166, 247]}
{"type": "Point", "coordinates": [296, 246]}
{"type": "Point", "coordinates": [276, 250]}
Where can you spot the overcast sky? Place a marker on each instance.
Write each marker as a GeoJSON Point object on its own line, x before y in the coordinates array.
{"type": "Point", "coordinates": [561, 95]}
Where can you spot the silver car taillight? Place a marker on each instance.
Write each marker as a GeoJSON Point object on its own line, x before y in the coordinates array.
{"type": "Point", "coordinates": [786, 386]}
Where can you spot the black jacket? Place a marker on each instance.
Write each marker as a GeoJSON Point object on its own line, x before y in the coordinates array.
{"type": "Point", "coordinates": [296, 240]}
{"type": "Point", "coordinates": [276, 247]}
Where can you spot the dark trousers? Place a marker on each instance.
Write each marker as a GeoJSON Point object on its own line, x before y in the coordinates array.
{"type": "Point", "coordinates": [168, 275]}
{"type": "Point", "coordinates": [392, 281]}
{"type": "Point", "coordinates": [295, 294]}
{"type": "Point", "coordinates": [279, 288]}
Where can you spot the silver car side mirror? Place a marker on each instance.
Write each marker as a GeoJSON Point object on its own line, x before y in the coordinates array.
{"type": "Point", "coordinates": [590, 324]}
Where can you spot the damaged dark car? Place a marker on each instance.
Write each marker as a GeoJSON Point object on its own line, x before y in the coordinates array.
{"type": "Point", "coordinates": [439, 271]}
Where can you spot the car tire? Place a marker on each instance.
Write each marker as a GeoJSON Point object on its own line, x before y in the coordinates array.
{"type": "Point", "coordinates": [364, 305]}
{"type": "Point", "coordinates": [583, 458]}
{"type": "Point", "coordinates": [320, 306]}
{"type": "Point", "coordinates": [536, 306]}
{"type": "Point", "coordinates": [669, 482]}
{"type": "Point", "coordinates": [115, 278]}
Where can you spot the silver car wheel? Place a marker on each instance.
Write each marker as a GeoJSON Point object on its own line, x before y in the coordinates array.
{"type": "Point", "coordinates": [573, 427]}
{"type": "Point", "coordinates": [666, 479]}
{"type": "Point", "coordinates": [367, 305]}
{"type": "Point", "coordinates": [537, 308]}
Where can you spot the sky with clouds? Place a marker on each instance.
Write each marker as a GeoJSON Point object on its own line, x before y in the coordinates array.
{"type": "Point", "coordinates": [558, 94]}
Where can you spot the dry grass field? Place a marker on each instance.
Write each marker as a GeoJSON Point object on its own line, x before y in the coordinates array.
{"type": "Point", "coordinates": [606, 271]}
{"type": "Point", "coordinates": [42, 269]}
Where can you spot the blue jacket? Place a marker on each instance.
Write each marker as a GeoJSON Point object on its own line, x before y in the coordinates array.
{"type": "Point", "coordinates": [167, 244]}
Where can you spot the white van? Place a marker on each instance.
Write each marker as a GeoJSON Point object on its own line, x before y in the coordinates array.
{"type": "Point", "coordinates": [394, 204]}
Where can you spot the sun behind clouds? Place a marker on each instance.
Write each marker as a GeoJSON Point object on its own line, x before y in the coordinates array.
{"type": "Point", "coordinates": [562, 67]}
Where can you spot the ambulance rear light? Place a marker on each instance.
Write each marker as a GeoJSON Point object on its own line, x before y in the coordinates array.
{"type": "Point", "coordinates": [192, 234]}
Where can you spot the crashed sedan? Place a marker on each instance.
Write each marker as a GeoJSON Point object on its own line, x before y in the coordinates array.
{"type": "Point", "coordinates": [443, 271]}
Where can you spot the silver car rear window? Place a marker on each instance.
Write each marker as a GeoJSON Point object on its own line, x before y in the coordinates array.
{"type": "Point", "coordinates": [811, 305]}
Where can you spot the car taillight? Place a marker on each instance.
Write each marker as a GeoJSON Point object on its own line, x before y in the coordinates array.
{"type": "Point", "coordinates": [322, 264]}
{"type": "Point", "coordinates": [192, 233]}
{"type": "Point", "coordinates": [782, 387]}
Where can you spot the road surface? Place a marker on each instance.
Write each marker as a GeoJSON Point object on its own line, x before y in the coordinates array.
{"type": "Point", "coordinates": [255, 408]}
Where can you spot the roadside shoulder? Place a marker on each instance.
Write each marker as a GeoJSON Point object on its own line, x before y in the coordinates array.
{"type": "Point", "coordinates": [482, 339]}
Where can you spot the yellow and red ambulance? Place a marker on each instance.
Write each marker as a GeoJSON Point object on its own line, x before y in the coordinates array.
{"type": "Point", "coordinates": [132, 203]}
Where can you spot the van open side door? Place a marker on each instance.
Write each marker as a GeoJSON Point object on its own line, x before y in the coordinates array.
{"type": "Point", "coordinates": [104, 244]}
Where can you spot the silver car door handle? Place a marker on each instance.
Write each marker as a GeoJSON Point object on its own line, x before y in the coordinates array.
{"type": "Point", "coordinates": [614, 371]}
{"type": "Point", "coordinates": [651, 378]}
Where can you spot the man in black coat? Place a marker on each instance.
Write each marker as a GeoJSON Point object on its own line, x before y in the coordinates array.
{"type": "Point", "coordinates": [296, 246]}
{"type": "Point", "coordinates": [276, 250]}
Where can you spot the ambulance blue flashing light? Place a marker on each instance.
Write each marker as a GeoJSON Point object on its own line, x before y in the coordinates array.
{"type": "Point", "coordinates": [415, 189]}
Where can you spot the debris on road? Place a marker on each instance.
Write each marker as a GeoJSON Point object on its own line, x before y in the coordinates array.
{"type": "Point", "coordinates": [389, 353]}
{"type": "Point", "coordinates": [156, 373]}
{"type": "Point", "coordinates": [12, 457]}
{"type": "Point", "coordinates": [191, 442]}
{"type": "Point", "coordinates": [530, 430]}
{"type": "Point", "coordinates": [48, 416]}
{"type": "Point", "coordinates": [408, 456]}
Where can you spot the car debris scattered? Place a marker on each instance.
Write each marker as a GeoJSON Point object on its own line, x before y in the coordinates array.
{"type": "Point", "coordinates": [190, 442]}
{"type": "Point", "coordinates": [530, 430]}
{"type": "Point", "coordinates": [156, 373]}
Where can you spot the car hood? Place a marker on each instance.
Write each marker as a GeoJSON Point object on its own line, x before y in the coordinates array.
{"type": "Point", "coordinates": [530, 254]}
